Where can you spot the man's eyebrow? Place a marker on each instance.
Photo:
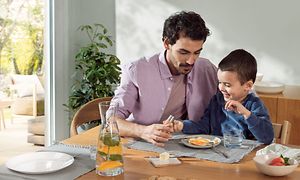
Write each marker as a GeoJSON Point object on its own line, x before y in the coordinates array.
{"type": "Point", "coordinates": [184, 50]}
{"type": "Point", "coordinates": [189, 51]}
{"type": "Point", "coordinates": [199, 50]}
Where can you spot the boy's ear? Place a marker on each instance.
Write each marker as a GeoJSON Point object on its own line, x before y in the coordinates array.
{"type": "Point", "coordinates": [248, 85]}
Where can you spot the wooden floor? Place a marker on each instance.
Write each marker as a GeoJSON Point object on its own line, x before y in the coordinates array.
{"type": "Point", "coordinates": [13, 139]}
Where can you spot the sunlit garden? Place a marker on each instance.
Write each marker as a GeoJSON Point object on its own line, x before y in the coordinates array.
{"type": "Point", "coordinates": [21, 40]}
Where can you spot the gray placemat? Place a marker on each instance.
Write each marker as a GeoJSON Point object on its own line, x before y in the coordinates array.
{"type": "Point", "coordinates": [82, 164]}
{"type": "Point", "coordinates": [175, 147]}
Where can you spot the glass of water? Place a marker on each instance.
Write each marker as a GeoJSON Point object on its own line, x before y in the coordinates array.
{"type": "Point", "coordinates": [232, 136]}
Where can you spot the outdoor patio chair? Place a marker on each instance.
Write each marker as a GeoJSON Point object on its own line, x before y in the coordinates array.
{"type": "Point", "coordinates": [28, 104]}
{"type": "Point", "coordinates": [29, 95]}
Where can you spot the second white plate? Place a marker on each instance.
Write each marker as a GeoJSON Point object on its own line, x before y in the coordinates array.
{"type": "Point", "coordinates": [268, 87]}
{"type": "Point", "coordinates": [39, 162]}
{"type": "Point", "coordinates": [210, 137]}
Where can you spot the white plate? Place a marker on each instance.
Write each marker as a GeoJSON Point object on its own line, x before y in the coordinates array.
{"type": "Point", "coordinates": [268, 87]}
{"type": "Point", "coordinates": [211, 138]}
{"type": "Point", "coordinates": [39, 162]}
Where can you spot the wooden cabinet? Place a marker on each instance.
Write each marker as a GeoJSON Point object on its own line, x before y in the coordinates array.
{"type": "Point", "coordinates": [271, 104]}
{"type": "Point", "coordinates": [285, 106]}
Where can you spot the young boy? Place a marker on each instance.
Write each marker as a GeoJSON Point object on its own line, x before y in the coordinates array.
{"type": "Point", "coordinates": [234, 103]}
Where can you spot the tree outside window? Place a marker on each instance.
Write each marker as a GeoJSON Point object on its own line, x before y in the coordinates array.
{"type": "Point", "coordinates": [21, 36]}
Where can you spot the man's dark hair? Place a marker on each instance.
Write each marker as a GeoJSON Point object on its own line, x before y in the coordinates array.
{"type": "Point", "coordinates": [186, 24]}
{"type": "Point", "coordinates": [241, 62]}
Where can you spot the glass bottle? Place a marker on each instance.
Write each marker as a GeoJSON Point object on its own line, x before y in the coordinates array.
{"type": "Point", "coordinates": [109, 159]}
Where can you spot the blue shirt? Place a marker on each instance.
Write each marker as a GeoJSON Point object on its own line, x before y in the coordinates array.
{"type": "Point", "coordinates": [256, 126]}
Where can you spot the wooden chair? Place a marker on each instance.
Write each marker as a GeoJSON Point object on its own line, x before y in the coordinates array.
{"type": "Point", "coordinates": [86, 113]}
{"type": "Point", "coordinates": [282, 132]}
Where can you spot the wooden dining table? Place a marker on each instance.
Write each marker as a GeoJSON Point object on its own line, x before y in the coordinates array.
{"type": "Point", "coordinates": [136, 166]}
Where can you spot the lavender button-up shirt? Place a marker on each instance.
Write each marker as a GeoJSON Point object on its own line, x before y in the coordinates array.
{"type": "Point", "coordinates": [145, 89]}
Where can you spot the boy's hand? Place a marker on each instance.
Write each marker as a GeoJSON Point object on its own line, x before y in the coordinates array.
{"type": "Point", "coordinates": [178, 126]}
{"type": "Point", "coordinates": [237, 107]}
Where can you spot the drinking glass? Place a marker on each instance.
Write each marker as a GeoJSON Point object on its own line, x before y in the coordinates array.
{"type": "Point", "coordinates": [93, 152]}
{"type": "Point", "coordinates": [232, 136]}
{"type": "Point", "coordinates": [109, 158]}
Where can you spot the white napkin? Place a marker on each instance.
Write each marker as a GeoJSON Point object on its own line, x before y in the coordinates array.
{"type": "Point", "coordinates": [279, 149]}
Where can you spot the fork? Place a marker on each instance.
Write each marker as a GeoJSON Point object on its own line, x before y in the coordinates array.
{"type": "Point", "coordinates": [170, 119]}
{"type": "Point", "coordinates": [217, 150]}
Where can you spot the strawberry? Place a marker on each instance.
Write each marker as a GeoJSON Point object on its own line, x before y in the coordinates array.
{"type": "Point", "coordinates": [277, 161]}
{"type": "Point", "coordinates": [285, 160]}
{"type": "Point", "coordinates": [280, 161]}
{"type": "Point", "coordinates": [277, 164]}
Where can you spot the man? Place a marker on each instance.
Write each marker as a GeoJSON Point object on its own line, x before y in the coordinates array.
{"type": "Point", "coordinates": [174, 82]}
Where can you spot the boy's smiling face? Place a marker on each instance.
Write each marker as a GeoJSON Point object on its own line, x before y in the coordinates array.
{"type": "Point", "coordinates": [231, 87]}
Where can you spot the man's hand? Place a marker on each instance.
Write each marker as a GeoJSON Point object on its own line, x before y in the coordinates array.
{"type": "Point", "coordinates": [175, 125]}
{"type": "Point", "coordinates": [156, 134]}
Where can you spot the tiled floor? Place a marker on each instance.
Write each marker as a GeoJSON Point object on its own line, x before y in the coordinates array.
{"type": "Point", "coordinates": [13, 139]}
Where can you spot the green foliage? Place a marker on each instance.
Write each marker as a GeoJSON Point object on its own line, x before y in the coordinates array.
{"type": "Point", "coordinates": [21, 37]}
{"type": "Point", "coordinates": [96, 71]}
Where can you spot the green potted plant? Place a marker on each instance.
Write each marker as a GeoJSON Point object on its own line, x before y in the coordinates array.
{"type": "Point", "coordinates": [96, 72]}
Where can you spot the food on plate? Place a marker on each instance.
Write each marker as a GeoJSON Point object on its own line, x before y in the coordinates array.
{"type": "Point", "coordinates": [199, 141]}
{"type": "Point", "coordinates": [280, 161]}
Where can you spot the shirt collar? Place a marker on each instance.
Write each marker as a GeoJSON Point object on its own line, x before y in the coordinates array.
{"type": "Point", "coordinates": [163, 66]}
{"type": "Point", "coordinates": [164, 70]}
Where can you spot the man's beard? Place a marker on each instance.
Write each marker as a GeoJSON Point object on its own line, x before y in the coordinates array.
{"type": "Point", "coordinates": [186, 65]}
{"type": "Point", "coordinates": [185, 68]}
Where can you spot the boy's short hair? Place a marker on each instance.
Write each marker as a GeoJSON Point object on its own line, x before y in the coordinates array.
{"type": "Point", "coordinates": [241, 62]}
{"type": "Point", "coordinates": [186, 24]}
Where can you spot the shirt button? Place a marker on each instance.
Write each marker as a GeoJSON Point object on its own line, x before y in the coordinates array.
{"type": "Point", "coordinates": [171, 78]}
{"type": "Point", "coordinates": [162, 109]}
{"type": "Point", "coordinates": [169, 89]}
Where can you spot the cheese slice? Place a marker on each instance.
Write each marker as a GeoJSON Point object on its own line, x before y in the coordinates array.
{"type": "Point", "coordinates": [164, 156]}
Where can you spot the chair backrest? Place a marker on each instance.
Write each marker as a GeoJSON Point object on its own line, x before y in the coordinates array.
{"type": "Point", "coordinates": [86, 113]}
{"type": "Point", "coordinates": [282, 132]}
{"type": "Point", "coordinates": [28, 89]}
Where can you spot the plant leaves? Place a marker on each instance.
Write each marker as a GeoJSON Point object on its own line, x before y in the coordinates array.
{"type": "Point", "coordinates": [96, 70]}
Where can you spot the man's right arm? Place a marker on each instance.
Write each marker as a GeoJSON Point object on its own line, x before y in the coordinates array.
{"type": "Point", "coordinates": [156, 134]}
{"type": "Point", "coordinates": [126, 96]}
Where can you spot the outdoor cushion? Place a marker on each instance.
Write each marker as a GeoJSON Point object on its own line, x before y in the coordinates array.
{"type": "Point", "coordinates": [24, 84]}
{"type": "Point", "coordinates": [23, 106]}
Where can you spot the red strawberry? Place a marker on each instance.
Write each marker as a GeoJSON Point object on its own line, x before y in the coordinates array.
{"type": "Point", "coordinates": [277, 164]}
{"type": "Point", "coordinates": [277, 161]}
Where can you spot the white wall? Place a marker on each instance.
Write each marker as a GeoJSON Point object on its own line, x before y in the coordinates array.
{"type": "Point", "coordinates": [268, 29]}
{"type": "Point", "coordinates": [68, 16]}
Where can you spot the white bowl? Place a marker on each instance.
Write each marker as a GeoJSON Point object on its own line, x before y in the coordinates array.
{"type": "Point", "coordinates": [268, 87]}
{"type": "Point", "coordinates": [259, 77]}
{"type": "Point", "coordinates": [262, 164]}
